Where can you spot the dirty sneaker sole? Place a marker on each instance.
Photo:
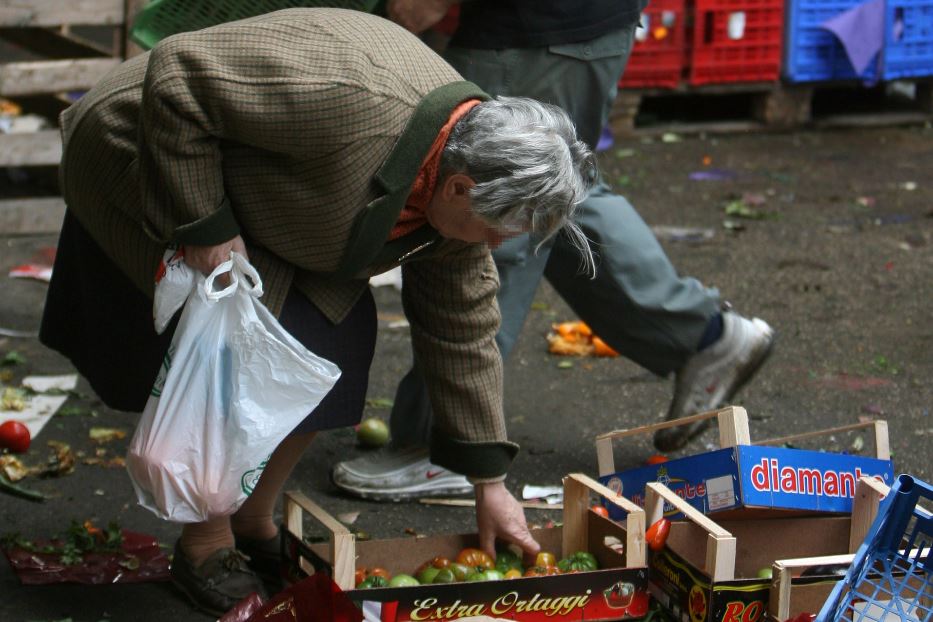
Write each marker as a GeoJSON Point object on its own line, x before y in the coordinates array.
{"type": "Point", "coordinates": [672, 439]}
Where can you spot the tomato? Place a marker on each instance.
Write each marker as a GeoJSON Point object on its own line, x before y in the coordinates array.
{"type": "Point", "coordinates": [601, 348]}
{"type": "Point", "coordinates": [656, 535]}
{"type": "Point", "coordinates": [545, 559]}
{"type": "Point", "coordinates": [376, 571]}
{"type": "Point", "coordinates": [403, 580]}
{"type": "Point", "coordinates": [427, 574]}
{"type": "Point", "coordinates": [372, 432]}
{"type": "Point", "coordinates": [461, 571]}
{"type": "Point", "coordinates": [490, 574]}
{"type": "Point", "coordinates": [581, 561]}
{"type": "Point", "coordinates": [440, 562]}
{"type": "Point", "coordinates": [15, 437]}
{"type": "Point", "coordinates": [475, 558]}
{"type": "Point", "coordinates": [542, 571]}
{"type": "Point", "coordinates": [507, 560]}
{"type": "Point", "coordinates": [359, 576]}
{"type": "Point", "coordinates": [444, 575]}
{"type": "Point", "coordinates": [656, 459]}
{"type": "Point", "coordinates": [513, 573]}
{"type": "Point", "coordinates": [373, 581]}
{"type": "Point", "coordinates": [601, 510]}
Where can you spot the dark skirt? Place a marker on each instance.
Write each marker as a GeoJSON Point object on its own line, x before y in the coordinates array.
{"type": "Point", "coordinates": [98, 318]}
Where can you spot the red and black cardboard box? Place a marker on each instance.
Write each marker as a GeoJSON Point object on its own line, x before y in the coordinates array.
{"type": "Point", "coordinates": [712, 571]}
{"type": "Point", "coordinates": [617, 591]}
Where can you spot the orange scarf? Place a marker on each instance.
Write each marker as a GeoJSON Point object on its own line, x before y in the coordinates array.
{"type": "Point", "coordinates": [422, 189]}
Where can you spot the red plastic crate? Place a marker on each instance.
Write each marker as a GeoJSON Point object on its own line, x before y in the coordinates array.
{"type": "Point", "coordinates": [657, 58]}
{"type": "Point", "coordinates": [736, 41]}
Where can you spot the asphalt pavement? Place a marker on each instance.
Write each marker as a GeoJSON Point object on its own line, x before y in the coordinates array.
{"type": "Point", "coordinates": [829, 238]}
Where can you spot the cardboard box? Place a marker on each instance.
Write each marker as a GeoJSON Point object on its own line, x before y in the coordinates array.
{"type": "Point", "coordinates": [708, 571]}
{"type": "Point", "coordinates": [743, 476]}
{"type": "Point", "coordinates": [617, 591]}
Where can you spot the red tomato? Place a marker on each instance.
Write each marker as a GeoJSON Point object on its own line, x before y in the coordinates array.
{"type": "Point", "coordinates": [475, 558]}
{"type": "Point", "coordinates": [359, 576]}
{"type": "Point", "coordinates": [602, 511]}
{"type": "Point", "coordinates": [656, 535]}
{"type": "Point", "coordinates": [541, 571]}
{"type": "Point", "coordinates": [440, 562]}
{"type": "Point", "coordinates": [379, 572]}
{"type": "Point", "coordinates": [15, 437]}
{"type": "Point", "coordinates": [656, 459]}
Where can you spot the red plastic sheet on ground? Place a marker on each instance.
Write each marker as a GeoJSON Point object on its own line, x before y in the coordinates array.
{"type": "Point", "coordinates": [315, 599]}
{"type": "Point", "coordinates": [140, 560]}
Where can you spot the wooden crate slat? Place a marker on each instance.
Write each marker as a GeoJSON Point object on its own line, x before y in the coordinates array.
{"type": "Point", "coordinates": [33, 215]}
{"type": "Point", "coordinates": [52, 76]}
{"type": "Point", "coordinates": [49, 43]}
{"type": "Point", "coordinates": [21, 13]}
{"type": "Point", "coordinates": [42, 148]}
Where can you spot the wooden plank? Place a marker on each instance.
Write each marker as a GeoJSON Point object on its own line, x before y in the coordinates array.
{"type": "Point", "coordinates": [781, 580]}
{"type": "Point", "coordinates": [42, 148]}
{"type": "Point", "coordinates": [657, 509]}
{"type": "Point", "coordinates": [647, 429]}
{"type": "Point", "coordinates": [868, 495]}
{"type": "Point", "coordinates": [604, 458]}
{"type": "Point", "coordinates": [34, 215]}
{"type": "Point", "coordinates": [733, 427]}
{"type": "Point", "coordinates": [342, 546]}
{"type": "Point", "coordinates": [720, 557]}
{"type": "Point", "coordinates": [19, 13]}
{"type": "Point", "coordinates": [52, 44]}
{"type": "Point", "coordinates": [52, 76]}
{"type": "Point", "coordinates": [574, 535]}
{"type": "Point", "coordinates": [469, 503]}
{"type": "Point", "coordinates": [882, 449]}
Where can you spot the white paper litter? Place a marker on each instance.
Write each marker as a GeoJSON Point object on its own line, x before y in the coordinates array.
{"type": "Point", "coordinates": [550, 494]}
{"type": "Point", "coordinates": [40, 408]}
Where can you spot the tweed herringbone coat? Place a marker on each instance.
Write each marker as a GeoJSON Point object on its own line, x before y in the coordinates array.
{"type": "Point", "coordinates": [301, 130]}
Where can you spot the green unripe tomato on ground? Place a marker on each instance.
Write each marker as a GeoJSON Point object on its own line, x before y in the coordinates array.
{"type": "Point", "coordinates": [372, 432]}
{"type": "Point", "coordinates": [403, 580]}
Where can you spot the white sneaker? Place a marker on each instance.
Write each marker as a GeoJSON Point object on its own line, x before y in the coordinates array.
{"type": "Point", "coordinates": [711, 378]}
{"type": "Point", "coordinates": [397, 475]}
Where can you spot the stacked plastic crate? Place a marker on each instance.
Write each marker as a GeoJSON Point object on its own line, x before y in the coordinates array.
{"type": "Point", "coordinates": [813, 53]}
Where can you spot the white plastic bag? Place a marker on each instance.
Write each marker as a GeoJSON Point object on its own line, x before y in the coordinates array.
{"type": "Point", "coordinates": [233, 384]}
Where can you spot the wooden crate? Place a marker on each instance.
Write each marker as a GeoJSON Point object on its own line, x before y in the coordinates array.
{"type": "Point", "coordinates": [48, 61]}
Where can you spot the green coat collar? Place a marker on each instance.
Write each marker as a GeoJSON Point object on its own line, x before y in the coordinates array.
{"type": "Point", "coordinates": [367, 244]}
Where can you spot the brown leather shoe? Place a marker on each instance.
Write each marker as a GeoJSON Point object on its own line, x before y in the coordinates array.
{"type": "Point", "coordinates": [219, 583]}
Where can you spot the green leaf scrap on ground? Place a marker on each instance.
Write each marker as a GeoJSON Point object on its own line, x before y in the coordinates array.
{"type": "Point", "coordinates": [565, 365]}
{"type": "Point", "coordinates": [741, 209]}
{"type": "Point", "coordinates": [13, 399]}
{"type": "Point", "coordinates": [13, 358]}
{"type": "Point", "coordinates": [105, 435]}
{"type": "Point", "coordinates": [379, 402]}
{"type": "Point", "coordinates": [881, 364]}
{"type": "Point", "coordinates": [19, 491]}
{"type": "Point", "coordinates": [75, 411]}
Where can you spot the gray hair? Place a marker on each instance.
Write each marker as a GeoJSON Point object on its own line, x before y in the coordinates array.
{"type": "Point", "coordinates": [531, 170]}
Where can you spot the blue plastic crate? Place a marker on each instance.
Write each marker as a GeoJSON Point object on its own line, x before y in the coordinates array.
{"type": "Point", "coordinates": [908, 40]}
{"type": "Point", "coordinates": [812, 53]}
{"type": "Point", "coordinates": [890, 577]}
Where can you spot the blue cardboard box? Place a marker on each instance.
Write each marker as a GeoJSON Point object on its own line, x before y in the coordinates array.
{"type": "Point", "coordinates": [754, 477]}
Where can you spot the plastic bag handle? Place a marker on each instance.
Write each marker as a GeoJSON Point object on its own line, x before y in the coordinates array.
{"type": "Point", "coordinates": [229, 290]}
{"type": "Point", "coordinates": [244, 268]}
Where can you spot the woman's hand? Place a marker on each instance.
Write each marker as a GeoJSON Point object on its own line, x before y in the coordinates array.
{"type": "Point", "coordinates": [499, 515]}
{"type": "Point", "coordinates": [206, 258]}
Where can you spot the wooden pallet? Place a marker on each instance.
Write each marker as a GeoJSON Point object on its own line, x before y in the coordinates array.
{"type": "Point", "coordinates": [763, 107]}
{"type": "Point", "coordinates": [47, 59]}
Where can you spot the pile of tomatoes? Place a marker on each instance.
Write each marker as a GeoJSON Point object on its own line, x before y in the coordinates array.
{"type": "Point", "coordinates": [476, 565]}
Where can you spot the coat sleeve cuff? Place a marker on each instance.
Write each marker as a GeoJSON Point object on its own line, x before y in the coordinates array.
{"type": "Point", "coordinates": [216, 228]}
{"type": "Point", "coordinates": [476, 460]}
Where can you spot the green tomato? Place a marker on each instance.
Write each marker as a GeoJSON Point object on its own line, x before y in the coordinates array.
{"type": "Point", "coordinates": [764, 573]}
{"type": "Point", "coordinates": [461, 571]}
{"type": "Point", "coordinates": [427, 575]}
{"type": "Point", "coordinates": [489, 574]}
{"type": "Point", "coordinates": [403, 580]}
{"type": "Point", "coordinates": [506, 560]}
{"type": "Point", "coordinates": [581, 561]}
{"type": "Point", "coordinates": [444, 575]}
{"type": "Point", "coordinates": [373, 581]}
{"type": "Point", "coordinates": [372, 432]}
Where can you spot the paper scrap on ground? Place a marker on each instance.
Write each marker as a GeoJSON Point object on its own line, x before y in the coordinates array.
{"type": "Point", "coordinates": [40, 408]}
{"type": "Point", "coordinates": [32, 271]}
{"type": "Point", "coordinates": [551, 494]}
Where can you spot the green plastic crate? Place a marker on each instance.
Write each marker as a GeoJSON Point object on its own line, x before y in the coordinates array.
{"type": "Point", "coordinates": [161, 18]}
